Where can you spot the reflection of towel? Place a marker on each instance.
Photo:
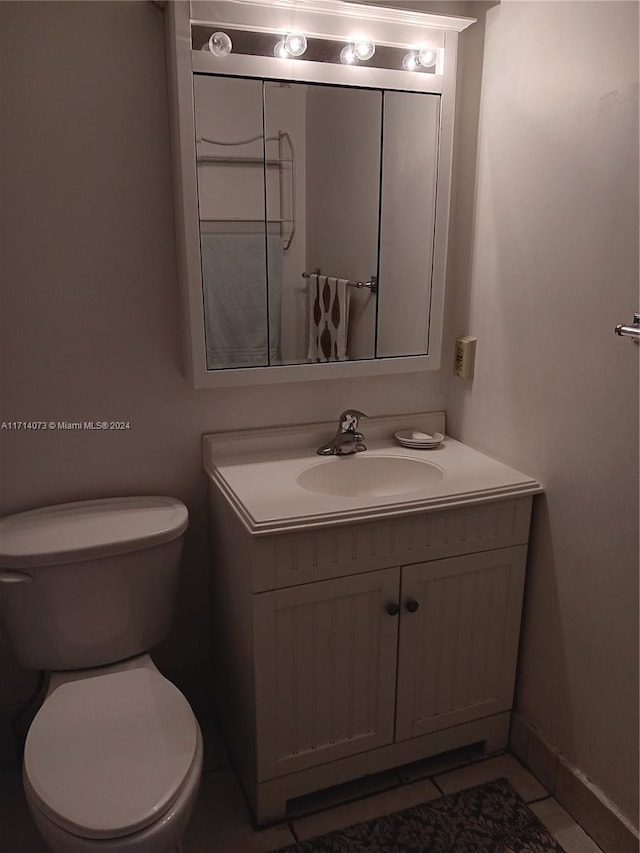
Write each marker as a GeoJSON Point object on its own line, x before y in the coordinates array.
{"type": "Point", "coordinates": [234, 272]}
{"type": "Point", "coordinates": [328, 318]}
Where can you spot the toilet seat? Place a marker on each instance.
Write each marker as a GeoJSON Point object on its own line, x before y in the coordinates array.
{"type": "Point", "coordinates": [110, 750]}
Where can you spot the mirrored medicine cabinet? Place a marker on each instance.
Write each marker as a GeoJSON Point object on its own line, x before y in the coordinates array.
{"type": "Point", "coordinates": [312, 191]}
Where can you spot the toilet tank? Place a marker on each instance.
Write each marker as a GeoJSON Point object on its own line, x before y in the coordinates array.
{"type": "Point", "coordinates": [90, 583]}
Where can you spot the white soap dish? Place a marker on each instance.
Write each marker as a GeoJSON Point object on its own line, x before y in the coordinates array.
{"type": "Point", "coordinates": [418, 440]}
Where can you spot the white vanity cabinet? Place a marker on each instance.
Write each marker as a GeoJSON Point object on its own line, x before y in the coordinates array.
{"type": "Point", "coordinates": [325, 670]}
{"type": "Point", "coordinates": [457, 651]}
{"type": "Point", "coordinates": [329, 655]}
{"type": "Point", "coordinates": [348, 649]}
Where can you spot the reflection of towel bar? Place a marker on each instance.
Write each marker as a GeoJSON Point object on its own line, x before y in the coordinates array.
{"type": "Point", "coordinates": [372, 284]}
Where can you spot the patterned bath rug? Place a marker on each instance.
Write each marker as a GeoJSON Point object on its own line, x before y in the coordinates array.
{"type": "Point", "coordinates": [489, 818]}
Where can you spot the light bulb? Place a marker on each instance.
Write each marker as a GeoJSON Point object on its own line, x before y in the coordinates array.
{"type": "Point", "coordinates": [295, 44]}
{"type": "Point", "coordinates": [347, 55]}
{"type": "Point", "coordinates": [220, 44]}
{"type": "Point", "coordinates": [410, 61]}
{"type": "Point", "coordinates": [364, 50]}
{"type": "Point", "coordinates": [280, 50]}
{"type": "Point", "coordinates": [427, 57]}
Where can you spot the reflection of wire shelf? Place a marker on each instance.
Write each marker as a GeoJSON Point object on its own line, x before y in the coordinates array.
{"type": "Point", "coordinates": [286, 165]}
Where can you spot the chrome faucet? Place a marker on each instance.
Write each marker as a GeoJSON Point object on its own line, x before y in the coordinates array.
{"type": "Point", "coordinates": [347, 440]}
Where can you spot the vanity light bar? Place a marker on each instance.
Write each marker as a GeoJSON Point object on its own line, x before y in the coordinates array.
{"type": "Point", "coordinates": [295, 44]}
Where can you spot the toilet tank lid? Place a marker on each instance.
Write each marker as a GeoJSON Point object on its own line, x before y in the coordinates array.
{"type": "Point", "coordinates": [73, 532]}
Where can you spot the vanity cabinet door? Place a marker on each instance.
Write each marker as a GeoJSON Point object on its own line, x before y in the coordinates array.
{"type": "Point", "coordinates": [458, 647]}
{"type": "Point", "coordinates": [325, 670]}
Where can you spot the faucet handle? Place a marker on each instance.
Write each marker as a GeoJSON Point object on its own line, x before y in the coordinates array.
{"type": "Point", "coordinates": [348, 421]}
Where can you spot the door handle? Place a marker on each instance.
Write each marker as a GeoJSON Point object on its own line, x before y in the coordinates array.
{"type": "Point", "coordinates": [630, 331]}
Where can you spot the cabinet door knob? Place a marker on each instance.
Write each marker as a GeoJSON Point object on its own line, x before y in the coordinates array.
{"type": "Point", "coordinates": [412, 605]}
{"type": "Point", "coordinates": [393, 609]}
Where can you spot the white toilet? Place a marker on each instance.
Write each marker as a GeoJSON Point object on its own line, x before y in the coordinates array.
{"type": "Point", "coordinates": [113, 758]}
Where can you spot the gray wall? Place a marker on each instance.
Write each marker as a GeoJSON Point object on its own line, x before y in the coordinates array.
{"type": "Point", "coordinates": [552, 267]}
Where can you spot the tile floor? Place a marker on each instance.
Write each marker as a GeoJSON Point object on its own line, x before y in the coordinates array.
{"type": "Point", "coordinates": [222, 824]}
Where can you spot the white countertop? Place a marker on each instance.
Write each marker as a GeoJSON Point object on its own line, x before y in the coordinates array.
{"type": "Point", "coordinates": [257, 471]}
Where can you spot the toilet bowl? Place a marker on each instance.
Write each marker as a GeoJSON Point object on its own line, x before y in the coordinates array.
{"type": "Point", "coordinates": [112, 761]}
{"type": "Point", "coordinates": [113, 757]}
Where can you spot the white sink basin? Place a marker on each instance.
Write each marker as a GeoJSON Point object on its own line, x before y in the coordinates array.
{"type": "Point", "coordinates": [274, 481]}
{"type": "Point", "coordinates": [377, 476]}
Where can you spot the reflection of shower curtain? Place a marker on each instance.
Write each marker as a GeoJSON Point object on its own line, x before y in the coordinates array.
{"type": "Point", "coordinates": [235, 299]}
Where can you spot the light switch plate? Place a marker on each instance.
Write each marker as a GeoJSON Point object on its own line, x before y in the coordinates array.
{"type": "Point", "coordinates": [465, 357]}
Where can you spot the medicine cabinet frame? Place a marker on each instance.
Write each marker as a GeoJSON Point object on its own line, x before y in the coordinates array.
{"type": "Point", "coordinates": [332, 20]}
